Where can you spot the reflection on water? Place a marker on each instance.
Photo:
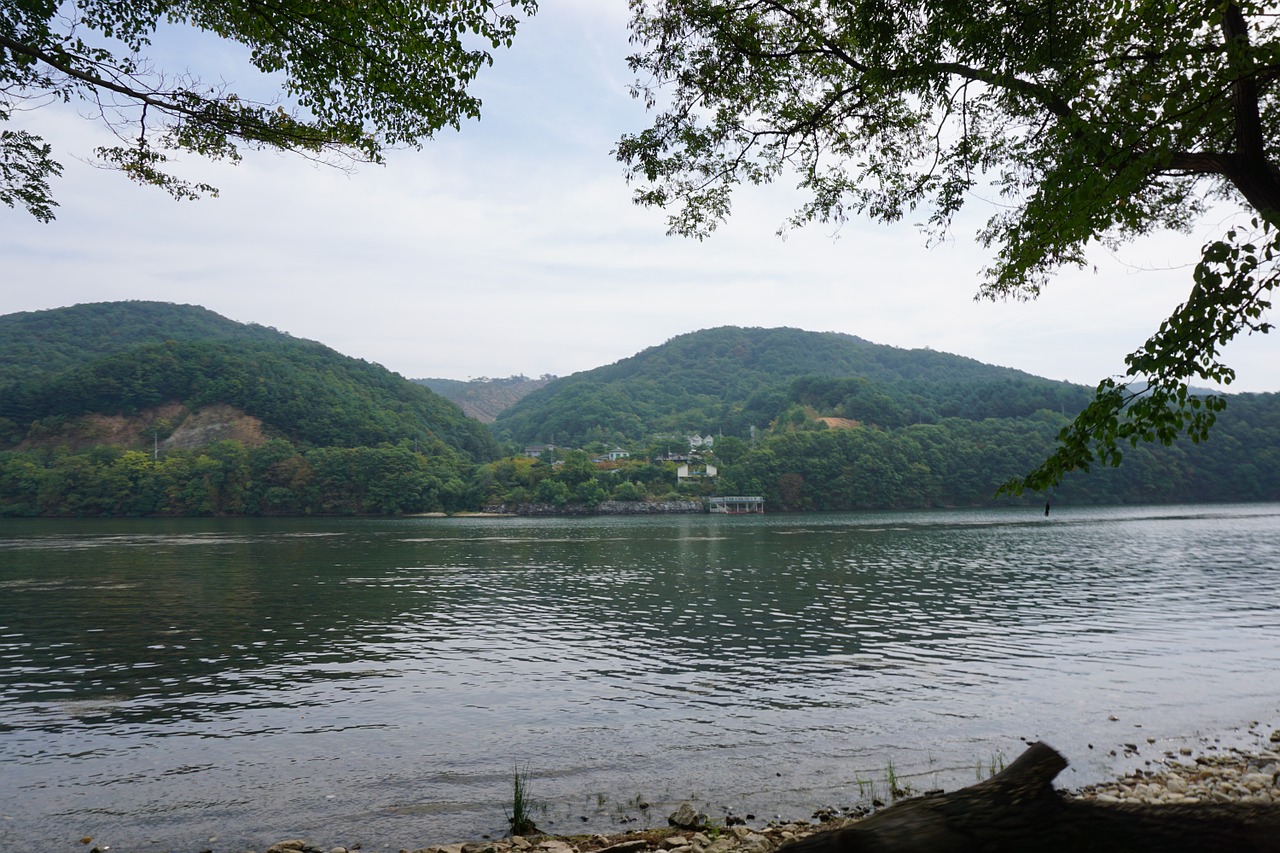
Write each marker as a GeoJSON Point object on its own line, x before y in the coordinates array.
{"type": "Point", "coordinates": [163, 682]}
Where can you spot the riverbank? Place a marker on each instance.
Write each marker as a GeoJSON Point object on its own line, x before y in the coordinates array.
{"type": "Point", "coordinates": [538, 510]}
{"type": "Point", "coordinates": [1214, 775]}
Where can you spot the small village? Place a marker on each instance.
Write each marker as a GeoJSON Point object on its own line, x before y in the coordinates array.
{"type": "Point", "coordinates": [691, 458]}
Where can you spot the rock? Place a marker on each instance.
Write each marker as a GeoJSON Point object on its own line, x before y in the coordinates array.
{"type": "Point", "coordinates": [755, 843]}
{"type": "Point", "coordinates": [555, 845]}
{"type": "Point", "coordinates": [519, 842]}
{"type": "Point", "coordinates": [699, 839]}
{"type": "Point", "coordinates": [292, 844]}
{"type": "Point", "coordinates": [1255, 781]}
{"type": "Point", "coordinates": [673, 842]}
{"type": "Point", "coordinates": [687, 817]}
{"type": "Point", "coordinates": [478, 847]}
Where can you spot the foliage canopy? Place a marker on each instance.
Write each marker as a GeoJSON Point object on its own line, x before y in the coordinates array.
{"type": "Point", "coordinates": [727, 380]}
{"type": "Point", "coordinates": [64, 363]}
{"type": "Point", "coordinates": [1092, 122]}
{"type": "Point", "coordinates": [353, 79]}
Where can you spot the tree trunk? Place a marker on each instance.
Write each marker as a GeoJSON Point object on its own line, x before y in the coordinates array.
{"type": "Point", "coordinates": [1248, 167]}
{"type": "Point", "coordinates": [1018, 811]}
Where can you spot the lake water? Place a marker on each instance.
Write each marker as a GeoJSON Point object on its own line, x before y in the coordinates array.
{"type": "Point", "coordinates": [168, 682]}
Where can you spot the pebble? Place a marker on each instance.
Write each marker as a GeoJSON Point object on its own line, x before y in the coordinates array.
{"type": "Point", "coordinates": [1233, 775]}
{"type": "Point", "coordinates": [1227, 775]}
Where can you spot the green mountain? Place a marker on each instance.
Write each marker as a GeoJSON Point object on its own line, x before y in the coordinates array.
{"type": "Point", "coordinates": [821, 421]}
{"type": "Point", "coordinates": [728, 380]}
{"type": "Point", "coordinates": [129, 358]}
{"type": "Point", "coordinates": [484, 399]}
{"type": "Point", "coordinates": [46, 343]}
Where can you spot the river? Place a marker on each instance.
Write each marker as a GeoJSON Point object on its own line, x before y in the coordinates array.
{"type": "Point", "coordinates": [225, 683]}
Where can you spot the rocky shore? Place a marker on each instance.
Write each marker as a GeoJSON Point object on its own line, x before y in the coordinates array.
{"type": "Point", "coordinates": [1234, 774]}
{"type": "Point", "coordinates": [602, 508]}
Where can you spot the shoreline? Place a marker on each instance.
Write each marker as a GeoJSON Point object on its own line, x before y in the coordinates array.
{"type": "Point", "coordinates": [1211, 774]}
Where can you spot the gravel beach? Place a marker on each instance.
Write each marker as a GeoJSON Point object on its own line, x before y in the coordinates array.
{"type": "Point", "coordinates": [1215, 775]}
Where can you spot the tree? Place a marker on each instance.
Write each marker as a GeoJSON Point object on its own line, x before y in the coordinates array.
{"type": "Point", "coordinates": [1094, 122]}
{"type": "Point", "coordinates": [353, 79]}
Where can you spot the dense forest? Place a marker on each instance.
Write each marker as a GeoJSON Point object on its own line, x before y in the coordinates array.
{"type": "Point", "coordinates": [809, 421]}
{"type": "Point", "coordinates": [306, 392]}
{"type": "Point", "coordinates": [327, 433]}
{"type": "Point", "coordinates": [728, 380]}
{"type": "Point", "coordinates": [45, 343]}
{"type": "Point", "coordinates": [960, 462]}
{"type": "Point", "coordinates": [803, 463]}
{"type": "Point", "coordinates": [229, 478]}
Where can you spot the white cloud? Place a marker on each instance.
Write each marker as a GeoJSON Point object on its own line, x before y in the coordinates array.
{"type": "Point", "coordinates": [513, 247]}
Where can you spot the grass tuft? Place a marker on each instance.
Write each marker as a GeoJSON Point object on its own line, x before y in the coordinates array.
{"type": "Point", "coordinates": [521, 816]}
{"type": "Point", "coordinates": [898, 788]}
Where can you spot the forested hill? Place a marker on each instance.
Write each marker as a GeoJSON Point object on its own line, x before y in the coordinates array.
{"type": "Point", "coordinates": [300, 390]}
{"type": "Point", "coordinates": [729, 379]}
{"type": "Point", "coordinates": [45, 343]}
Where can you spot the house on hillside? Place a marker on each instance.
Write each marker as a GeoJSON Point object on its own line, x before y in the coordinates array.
{"type": "Point", "coordinates": [535, 451]}
{"type": "Point", "coordinates": [689, 471]}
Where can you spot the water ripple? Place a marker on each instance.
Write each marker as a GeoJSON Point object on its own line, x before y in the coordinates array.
{"type": "Point", "coordinates": [162, 680]}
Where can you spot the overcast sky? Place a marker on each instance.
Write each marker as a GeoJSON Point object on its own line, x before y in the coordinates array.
{"type": "Point", "coordinates": [513, 246]}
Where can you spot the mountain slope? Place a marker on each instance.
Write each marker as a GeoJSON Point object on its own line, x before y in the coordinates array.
{"type": "Point", "coordinates": [728, 379]}
{"type": "Point", "coordinates": [45, 343]}
{"type": "Point", "coordinates": [485, 399]}
{"type": "Point", "coordinates": [300, 390]}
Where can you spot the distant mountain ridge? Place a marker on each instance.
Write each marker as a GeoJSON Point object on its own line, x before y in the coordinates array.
{"type": "Point", "coordinates": [484, 399]}
{"type": "Point", "coordinates": [729, 379]}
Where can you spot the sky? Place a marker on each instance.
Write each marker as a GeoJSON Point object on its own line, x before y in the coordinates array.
{"type": "Point", "coordinates": [513, 247]}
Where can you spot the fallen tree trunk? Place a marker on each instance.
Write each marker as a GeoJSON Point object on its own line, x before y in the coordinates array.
{"type": "Point", "coordinates": [1018, 811]}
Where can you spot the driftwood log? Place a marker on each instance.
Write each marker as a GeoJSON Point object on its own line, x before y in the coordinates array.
{"type": "Point", "coordinates": [1018, 811]}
